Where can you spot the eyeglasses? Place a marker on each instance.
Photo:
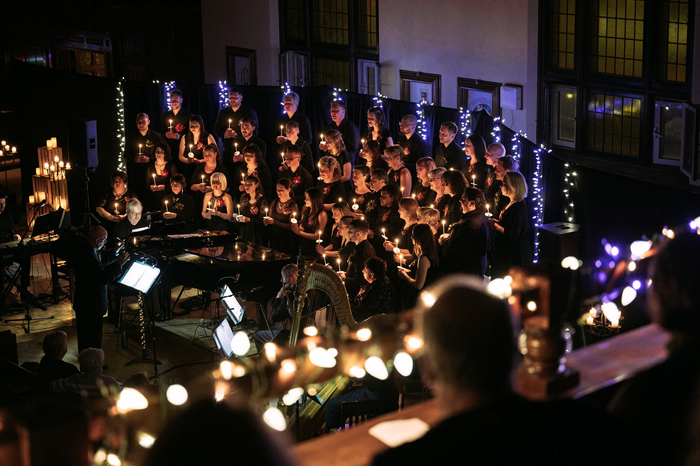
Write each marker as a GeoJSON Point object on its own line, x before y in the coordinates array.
{"type": "Point", "coordinates": [289, 157]}
{"type": "Point", "coordinates": [160, 151]}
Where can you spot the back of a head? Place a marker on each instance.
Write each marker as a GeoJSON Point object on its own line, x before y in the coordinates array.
{"type": "Point", "coordinates": [91, 360]}
{"type": "Point", "coordinates": [55, 344]}
{"type": "Point", "coordinates": [674, 296]}
{"type": "Point", "coordinates": [204, 434]}
{"type": "Point", "coordinates": [468, 335]}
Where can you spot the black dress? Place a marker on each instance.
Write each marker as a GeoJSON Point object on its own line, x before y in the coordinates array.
{"type": "Point", "coordinates": [155, 198]}
{"type": "Point", "coordinates": [183, 206]}
{"type": "Point", "coordinates": [197, 149]}
{"type": "Point", "coordinates": [137, 171]}
{"type": "Point", "coordinates": [333, 192]}
{"type": "Point", "coordinates": [281, 236]}
{"type": "Point", "coordinates": [424, 195]}
{"type": "Point", "coordinates": [262, 172]}
{"type": "Point", "coordinates": [395, 176]}
{"type": "Point", "coordinates": [342, 159]}
{"type": "Point", "coordinates": [307, 246]}
{"type": "Point", "coordinates": [479, 171]}
{"type": "Point", "coordinates": [196, 178]}
{"type": "Point", "coordinates": [464, 250]}
{"type": "Point", "coordinates": [216, 223]}
{"type": "Point", "coordinates": [512, 246]}
{"type": "Point", "coordinates": [409, 294]}
{"type": "Point", "coordinates": [382, 139]}
{"type": "Point", "coordinates": [255, 230]}
{"type": "Point", "coordinates": [301, 181]}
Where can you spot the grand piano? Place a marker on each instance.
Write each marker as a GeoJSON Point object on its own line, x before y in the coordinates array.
{"type": "Point", "coordinates": [200, 260]}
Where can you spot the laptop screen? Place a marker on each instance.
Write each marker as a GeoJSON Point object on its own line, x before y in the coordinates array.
{"type": "Point", "coordinates": [232, 305]}
{"type": "Point", "coordinates": [223, 335]}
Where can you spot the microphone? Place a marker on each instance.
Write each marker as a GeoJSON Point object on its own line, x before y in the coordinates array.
{"type": "Point", "coordinates": [40, 204]}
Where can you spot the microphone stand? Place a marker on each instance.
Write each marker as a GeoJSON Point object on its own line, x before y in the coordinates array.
{"type": "Point", "coordinates": [27, 312]}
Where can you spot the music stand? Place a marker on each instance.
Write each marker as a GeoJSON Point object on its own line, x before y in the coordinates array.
{"type": "Point", "coordinates": [141, 277]}
{"type": "Point", "coordinates": [45, 221]}
{"type": "Point", "coordinates": [223, 336]}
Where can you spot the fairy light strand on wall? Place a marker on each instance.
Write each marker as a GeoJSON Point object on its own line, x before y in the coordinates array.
{"type": "Point", "coordinates": [169, 87]}
{"type": "Point", "coordinates": [465, 123]}
{"type": "Point", "coordinates": [223, 94]}
{"type": "Point", "coordinates": [421, 124]}
{"type": "Point", "coordinates": [121, 127]}
{"type": "Point", "coordinates": [569, 178]}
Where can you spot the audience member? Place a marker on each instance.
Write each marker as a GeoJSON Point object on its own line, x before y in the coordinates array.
{"type": "Point", "coordinates": [187, 439]}
{"type": "Point", "coordinates": [89, 382]}
{"type": "Point", "coordinates": [52, 366]}
{"type": "Point", "coordinates": [467, 361]}
{"type": "Point", "coordinates": [660, 405]}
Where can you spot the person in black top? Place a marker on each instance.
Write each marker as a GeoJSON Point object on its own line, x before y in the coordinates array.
{"type": "Point", "coordinates": [112, 206]}
{"type": "Point", "coordinates": [468, 356]}
{"type": "Point", "coordinates": [378, 130]}
{"type": "Point", "coordinates": [294, 139]}
{"type": "Point", "coordinates": [247, 137]}
{"type": "Point", "coordinates": [52, 366]}
{"type": "Point", "coordinates": [291, 113]}
{"type": "Point", "coordinates": [160, 170]}
{"type": "Point", "coordinates": [254, 164]}
{"type": "Point", "coordinates": [191, 151]}
{"type": "Point", "coordinates": [346, 128]}
{"type": "Point", "coordinates": [228, 123]}
{"type": "Point", "coordinates": [178, 206]}
{"type": "Point", "coordinates": [464, 247]}
{"type": "Point", "coordinates": [92, 274]}
{"type": "Point", "coordinates": [493, 184]}
{"type": "Point", "coordinates": [477, 170]}
{"type": "Point", "coordinates": [414, 147]}
{"type": "Point", "coordinates": [175, 124]}
{"type": "Point", "coordinates": [300, 178]}
{"type": "Point", "coordinates": [278, 220]}
{"type": "Point", "coordinates": [330, 185]}
{"type": "Point", "coordinates": [281, 310]}
{"type": "Point", "coordinates": [371, 157]}
{"type": "Point", "coordinates": [454, 185]}
{"type": "Point", "coordinates": [398, 173]}
{"type": "Point", "coordinates": [313, 219]}
{"type": "Point", "coordinates": [376, 296]}
{"type": "Point", "coordinates": [423, 270]}
{"type": "Point", "coordinates": [505, 164]}
{"type": "Point", "coordinates": [134, 223]}
{"type": "Point", "coordinates": [422, 191]}
{"type": "Point", "coordinates": [448, 154]}
{"type": "Point", "coordinates": [139, 151]}
{"type": "Point", "coordinates": [336, 149]}
{"type": "Point", "coordinates": [512, 247]}
{"type": "Point", "coordinates": [354, 278]}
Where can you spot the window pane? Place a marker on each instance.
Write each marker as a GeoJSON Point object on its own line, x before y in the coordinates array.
{"type": "Point", "coordinates": [613, 123]}
{"type": "Point", "coordinates": [673, 39]}
{"type": "Point", "coordinates": [334, 73]}
{"type": "Point", "coordinates": [616, 37]}
{"type": "Point", "coordinates": [330, 21]}
{"type": "Point", "coordinates": [294, 25]}
{"type": "Point", "coordinates": [671, 130]}
{"type": "Point", "coordinates": [367, 34]}
{"type": "Point", "coordinates": [563, 33]}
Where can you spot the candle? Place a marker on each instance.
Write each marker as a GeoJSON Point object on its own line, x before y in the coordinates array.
{"type": "Point", "coordinates": [281, 130]}
{"type": "Point", "coordinates": [55, 159]}
{"type": "Point", "coordinates": [340, 199]}
{"type": "Point", "coordinates": [38, 171]}
{"type": "Point", "coordinates": [42, 196]}
{"type": "Point", "coordinates": [282, 154]}
{"type": "Point", "coordinates": [324, 260]}
{"type": "Point", "coordinates": [589, 320]}
{"type": "Point", "coordinates": [154, 179]}
{"type": "Point", "coordinates": [68, 167]}
{"type": "Point", "coordinates": [294, 217]}
{"type": "Point", "coordinates": [266, 209]}
{"type": "Point", "coordinates": [31, 199]}
{"type": "Point", "coordinates": [209, 205]}
{"type": "Point", "coordinates": [401, 191]}
{"type": "Point", "coordinates": [140, 149]}
{"type": "Point", "coordinates": [488, 212]}
{"type": "Point", "coordinates": [242, 177]}
{"type": "Point", "coordinates": [54, 143]}
{"type": "Point", "coordinates": [319, 240]}
{"type": "Point", "coordinates": [116, 208]}
{"type": "Point", "coordinates": [60, 164]}
{"type": "Point", "coordinates": [474, 180]}
{"type": "Point", "coordinates": [236, 146]}
{"type": "Point", "coordinates": [229, 123]}
{"type": "Point", "coordinates": [338, 260]}
{"type": "Point", "coordinates": [239, 209]}
{"type": "Point", "coordinates": [413, 195]}
{"type": "Point", "coordinates": [443, 227]}
{"type": "Point", "coordinates": [2, 143]}
{"type": "Point", "coordinates": [46, 169]}
{"type": "Point", "coordinates": [64, 203]}
{"type": "Point", "coordinates": [362, 141]}
{"type": "Point", "coordinates": [397, 242]}
{"type": "Point", "coordinates": [384, 233]}
{"type": "Point", "coordinates": [171, 126]}
{"type": "Point", "coordinates": [322, 137]}
{"type": "Point", "coordinates": [166, 206]}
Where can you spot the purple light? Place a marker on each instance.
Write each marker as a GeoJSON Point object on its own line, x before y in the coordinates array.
{"type": "Point", "coordinates": [636, 284]}
{"type": "Point", "coordinates": [608, 249]}
{"type": "Point", "coordinates": [611, 264]}
{"type": "Point", "coordinates": [604, 241]}
{"type": "Point", "coordinates": [598, 264]}
{"type": "Point", "coordinates": [614, 251]}
{"type": "Point", "coordinates": [602, 277]}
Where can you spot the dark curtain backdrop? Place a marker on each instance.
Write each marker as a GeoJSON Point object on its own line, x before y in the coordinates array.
{"type": "Point", "coordinates": [606, 205]}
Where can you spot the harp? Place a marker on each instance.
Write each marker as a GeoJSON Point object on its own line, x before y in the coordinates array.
{"type": "Point", "coordinates": [321, 301]}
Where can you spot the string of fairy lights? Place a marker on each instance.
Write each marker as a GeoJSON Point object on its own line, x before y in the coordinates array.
{"type": "Point", "coordinates": [465, 123]}
{"type": "Point", "coordinates": [223, 94]}
{"type": "Point", "coordinates": [569, 184]}
{"type": "Point", "coordinates": [121, 126]}
{"type": "Point", "coordinates": [421, 124]}
{"type": "Point", "coordinates": [169, 86]}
